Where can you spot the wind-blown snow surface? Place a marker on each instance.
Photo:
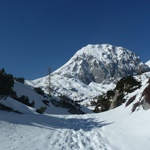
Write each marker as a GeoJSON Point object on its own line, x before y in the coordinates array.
{"type": "Point", "coordinates": [116, 129]}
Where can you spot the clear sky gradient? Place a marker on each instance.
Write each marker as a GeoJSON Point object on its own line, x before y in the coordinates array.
{"type": "Point", "coordinates": [37, 34]}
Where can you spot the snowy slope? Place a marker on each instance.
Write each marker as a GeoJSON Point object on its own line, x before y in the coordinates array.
{"type": "Point", "coordinates": [93, 70]}
{"type": "Point", "coordinates": [22, 89]}
{"type": "Point", "coordinates": [148, 63]}
{"type": "Point", "coordinates": [28, 91]}
{"type": "Point", "coordinates": [117, 129]}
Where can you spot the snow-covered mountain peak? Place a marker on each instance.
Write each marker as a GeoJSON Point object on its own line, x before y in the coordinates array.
{"type": "Point", "coordinates": [92, 70]}
{"type": "Point", "coordinates": [106, 54]}
{"type": "Point", "coordinates": [99, 63]}
{"type": "Point", "coordinates": [95, 50]}
{"type": "Point", "coordinates": [99, 50]}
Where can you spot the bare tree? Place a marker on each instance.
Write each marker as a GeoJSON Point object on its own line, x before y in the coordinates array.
{"type": "Point", "coordinates": [49, 89]}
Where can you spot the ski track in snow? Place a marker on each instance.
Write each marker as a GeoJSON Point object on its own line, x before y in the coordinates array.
{"type": "Point", "coordinates": [78, 140]}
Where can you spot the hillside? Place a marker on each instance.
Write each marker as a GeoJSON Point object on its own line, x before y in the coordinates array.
{"type": "Point", "coordinates": [16, 96]}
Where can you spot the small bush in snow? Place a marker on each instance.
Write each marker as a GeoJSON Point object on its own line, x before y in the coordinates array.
{"type": "Point", "coordinates": [25, 100]}
{"type": "Point", "coordinates": [41, 110]}
{"type": "Point", "coordinates": [39, 91]}
{"type": "Point", "coordinates": [72, 106]}
{"type": "Point", "coordinates": [6, 108]}
{"type": "Point", "coordinates": [21, 80]}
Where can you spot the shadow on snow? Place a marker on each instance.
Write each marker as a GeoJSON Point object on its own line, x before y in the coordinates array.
{"type": "Point", "coordinates": [53, 122]}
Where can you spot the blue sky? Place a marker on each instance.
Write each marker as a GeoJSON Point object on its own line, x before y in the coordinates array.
{"type": "Point", "coordinates": [37, 34]}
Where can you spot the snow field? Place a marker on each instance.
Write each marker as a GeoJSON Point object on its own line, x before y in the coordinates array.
{"type": "Point", "coordinates": [116, 129]}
